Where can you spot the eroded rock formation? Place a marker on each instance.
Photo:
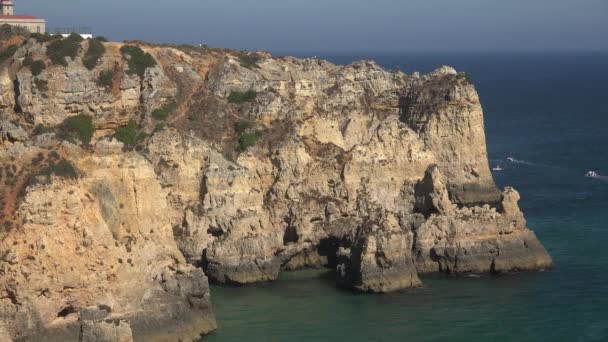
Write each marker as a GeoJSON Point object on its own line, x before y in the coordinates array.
{"type": "Point", "coordinates": [103, 244]}
{"type": "Point", "coordinates": [380, 259]}
{"type": "Point", "coordinates": [264, 164]}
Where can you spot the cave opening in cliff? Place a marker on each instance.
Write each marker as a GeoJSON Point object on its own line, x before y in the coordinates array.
{"type": "Point", "coordinates": [328, 248]}
{"type": "Point", "coordinates": [290, 235]}
{"type": "Point", "coordinates": [65, 312]}
{"type": "Point", "coordinates": [323, 254]}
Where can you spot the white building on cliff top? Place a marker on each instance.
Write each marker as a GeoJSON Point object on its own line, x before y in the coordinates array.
{"type": "Point", "coordinates": [33, 24]}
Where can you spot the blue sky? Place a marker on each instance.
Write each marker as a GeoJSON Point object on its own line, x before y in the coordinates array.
{"type": "Point", "coordinates": [342, 25]}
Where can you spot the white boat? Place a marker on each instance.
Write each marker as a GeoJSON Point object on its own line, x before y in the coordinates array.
{"type": "Point", "coordinates": [592, 174]}
{"type": "Point", "coordinates": [512, 160]}
{"type": "Point", "coordinates": [497, 168]}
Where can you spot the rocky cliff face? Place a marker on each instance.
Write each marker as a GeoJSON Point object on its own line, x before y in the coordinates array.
{"type": "Point", "coordinates": [100, 249]}
{"type": "Point", "coordinates": [263, 165]}
{"type": "Point", "coordinates": [74, 89]}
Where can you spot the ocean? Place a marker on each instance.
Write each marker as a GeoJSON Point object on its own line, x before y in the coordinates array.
{"type": "Point", "coordinates": [549, 114]}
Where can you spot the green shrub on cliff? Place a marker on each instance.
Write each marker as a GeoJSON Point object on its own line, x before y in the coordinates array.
{"type": "Point", "coordinates": [45, 37]}
{"type": "Point", "coordinates": [163, 112]}
{"type": "Point", "coordinates": [248, 135]}
{"type": "Point", "coordinates": [137, 59]}
{"type": "Point", "coordinates": [242, 125]}
{"type": "Point", "coordinates": [130, 135]}
{"type": "Point", "coordinates": [7, 31]}
{"type": "Point", "coordinates": [59, 49]}
{"type": "Point", "coordinates": [247, 140]}
{"type": "Point", "coordinates": [238, 97]}
{"type": "Point", "coordinates": [8, 53]}
{"type": "Point", "coordinates": [94, 53]}
{"type": "Point", "coordinates": [79, 127]}
{"type": "Point", "coordinates": [106, 78]}
{"type": "Point", "coordinates": [41, 37]}
{"type": "Point", "coordinates": [75, 37]}
{"type": "Point", "coordinates": [37, 67]}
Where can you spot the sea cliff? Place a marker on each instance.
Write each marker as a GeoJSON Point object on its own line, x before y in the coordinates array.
{"type": "Point", "coordinates": [216, 165]}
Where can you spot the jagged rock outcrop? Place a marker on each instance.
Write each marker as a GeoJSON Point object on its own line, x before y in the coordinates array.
{"type": "Point", "coordinates": [380, 259]}
{"type": "Point", "coordinates": [444, 109]}
{"type": "Point", "coordinates": [477, 239]}
{"type": "Point", "coordinates": [263, 165]}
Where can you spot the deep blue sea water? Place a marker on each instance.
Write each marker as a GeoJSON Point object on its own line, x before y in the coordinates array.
{"type": "Point", "coordinates": [548, 111]}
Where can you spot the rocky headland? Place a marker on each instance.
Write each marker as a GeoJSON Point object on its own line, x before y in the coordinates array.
{"type": "Point", "coordinates": [133, 174]}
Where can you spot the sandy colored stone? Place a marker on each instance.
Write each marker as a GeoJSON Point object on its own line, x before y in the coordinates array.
{"type": "Point", "coordinates": [373, 172]}
{"type": "Point", "coordinates": [102, 240]}
{"type": "Point", "coordinates": [380, 259]}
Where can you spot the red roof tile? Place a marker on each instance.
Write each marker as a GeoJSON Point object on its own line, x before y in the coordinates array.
{"type": "Point", "coordinates": [17, 17]}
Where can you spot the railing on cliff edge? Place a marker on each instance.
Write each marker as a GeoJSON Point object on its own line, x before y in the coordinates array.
{"type": "Point", "coordinates": [70, 30]}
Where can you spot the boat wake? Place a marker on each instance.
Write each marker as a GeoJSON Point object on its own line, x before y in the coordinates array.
{"type": "Point", "coordinates": [595, 175]}
{"type": "Point", "coordinates": [590, 174]}
{"type": "Point", "coordinates": [527, 163]}
{"type": "Point", "coordinates": [517, 161]}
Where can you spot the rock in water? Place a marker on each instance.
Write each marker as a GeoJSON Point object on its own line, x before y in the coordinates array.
{"type": "Point", "coordinates": [473, 239]}
{"type": "Point", "coordinates": [380, 259]}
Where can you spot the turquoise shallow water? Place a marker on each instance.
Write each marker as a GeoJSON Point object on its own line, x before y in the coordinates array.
{"type": "Point", "coordinates": [549, 113]}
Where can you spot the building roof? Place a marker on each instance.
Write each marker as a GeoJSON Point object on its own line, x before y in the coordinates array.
{"type": "Point", "coordinates": [4, 17]}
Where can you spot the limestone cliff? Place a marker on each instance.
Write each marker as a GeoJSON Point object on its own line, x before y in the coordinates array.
{"type": "Point", "coordinates": [262, 164]}
{"type": "Point", "coordinates": [99, 248]}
